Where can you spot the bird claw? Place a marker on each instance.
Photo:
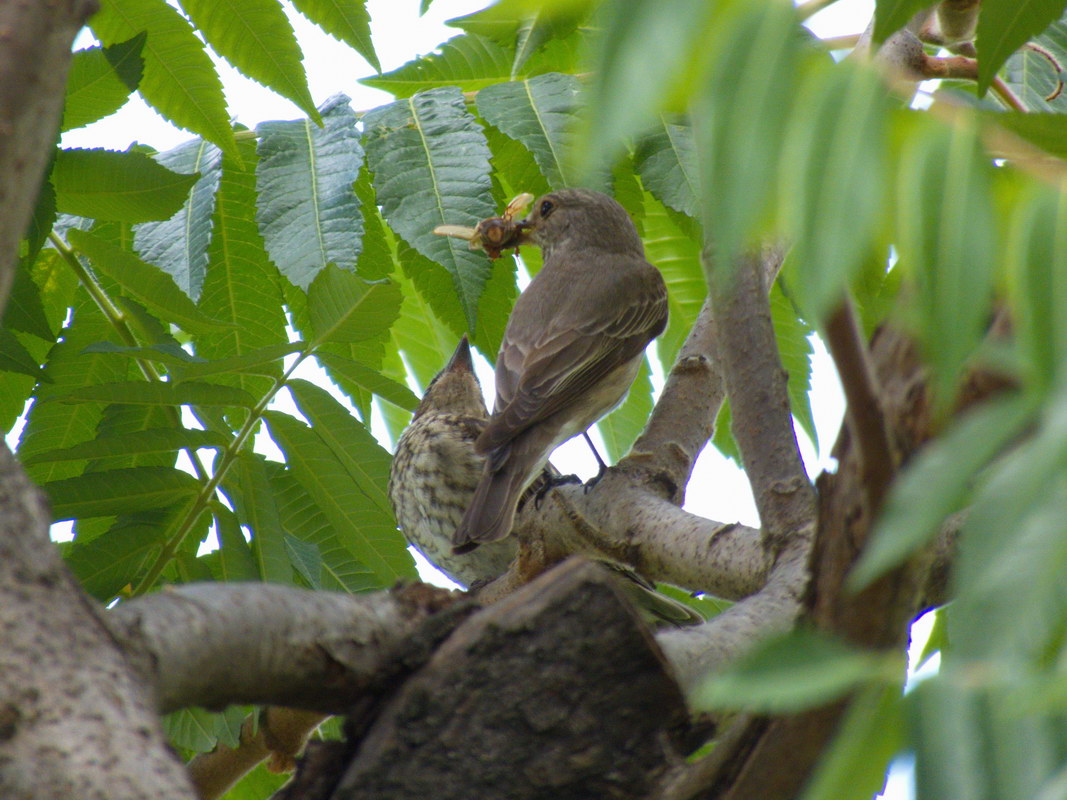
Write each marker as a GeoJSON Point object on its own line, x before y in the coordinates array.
{"type": "Point", "coordinates": [592, 482]}
{"type": "Point", "coordinates": [550, 484]}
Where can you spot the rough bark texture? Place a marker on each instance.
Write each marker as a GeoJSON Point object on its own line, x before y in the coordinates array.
{"type": "Point", "coordinates": [74, 719]}
{"type": "Point", "coordinates": [318, 651]}
{"type": "Point", "coordinates": [555, 692]}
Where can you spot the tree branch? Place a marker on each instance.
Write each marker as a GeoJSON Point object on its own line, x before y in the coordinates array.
{"type": "Point", "coordinates": [215, 644]}
{"type": "Point", "coordinates": [759, 399]}
{"type": "Point", "coordinates": [864, 412]}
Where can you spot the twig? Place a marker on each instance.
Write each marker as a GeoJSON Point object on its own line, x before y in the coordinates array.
{"type": "Point", "coordinates": [864, 408]}
{"type": "Point", "coordinates": [1009, 98]}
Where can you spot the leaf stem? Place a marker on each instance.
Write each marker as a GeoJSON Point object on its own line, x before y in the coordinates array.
{"type": "Point", "coordinates": [117, 319]}
{"type": "Point", "coordinates": [200, 503]}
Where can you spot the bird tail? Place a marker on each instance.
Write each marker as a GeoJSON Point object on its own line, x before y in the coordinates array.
{"type": "Point", "coordinates": [491, 513]}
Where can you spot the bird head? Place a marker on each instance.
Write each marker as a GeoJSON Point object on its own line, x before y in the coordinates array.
{"type": "Point", "coordinates": [582, 218]}
{"type": "Point", "coordinates": [455, 389]}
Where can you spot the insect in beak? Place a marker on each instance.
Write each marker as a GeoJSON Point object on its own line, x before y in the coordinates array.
{"type": "Point", "coordinates": [493, 234]}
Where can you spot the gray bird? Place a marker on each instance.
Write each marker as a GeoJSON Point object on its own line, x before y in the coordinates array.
{"type": "Point", "coordinates": [571, 349]}
{"type": "Point", "coordinates": [436, 471]}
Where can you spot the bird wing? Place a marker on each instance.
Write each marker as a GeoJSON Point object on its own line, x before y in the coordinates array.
{"type": "Point", "coordinates": [536, 379]}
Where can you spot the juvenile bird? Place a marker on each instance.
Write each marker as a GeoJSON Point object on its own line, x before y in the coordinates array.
{"type": "Point", "coordinates": [436, 470]}
{"type": "Point", "coordinates": [571, 348]}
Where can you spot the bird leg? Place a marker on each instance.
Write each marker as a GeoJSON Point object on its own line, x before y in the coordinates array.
{"type": "Point", "coordinates": [602, 469]}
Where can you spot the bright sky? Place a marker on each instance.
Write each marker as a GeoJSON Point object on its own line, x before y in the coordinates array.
{"type": "Point", "coordinates": [719, 489]}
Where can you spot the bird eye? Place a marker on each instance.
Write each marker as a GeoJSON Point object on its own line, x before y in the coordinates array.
{"type": "Point", "coordinates": [546, 207]}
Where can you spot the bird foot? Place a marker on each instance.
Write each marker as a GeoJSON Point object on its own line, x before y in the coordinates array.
{"type": "Point", "coordinates": [551, 483]}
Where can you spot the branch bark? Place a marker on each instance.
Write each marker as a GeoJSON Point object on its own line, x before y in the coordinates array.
{"type": "Point", "coordinates": [759, 398]}
{"type": "Point", "coordinates": [215, 644]}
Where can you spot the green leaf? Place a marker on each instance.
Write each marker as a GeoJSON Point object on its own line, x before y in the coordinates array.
{"type": "Point", "coordinates": [42, 220]}
{"type": "Point", "coordinates": [677, 256]}
{"type": "Point", "coordinates": [116, 558]}
{"type": "Point", "coordinates": [366, 462]}
{"type": "Point", "coordinates": [14, 357]}
{"type": "Point", "coordinates": [119, 491]}
{"type": "Point", "coordinates": [494, 306]}
{"type": "Point", "coordinates": [368, 533]}
{"type": "Point", "coordinates": [308, 212]}
{"type": "Point", "coordinates": [832, 186]}
{"type": "Point", "coordinates": [179, 80]}
{"type": "Point", "coordinates": [157, 393]}
{"type": "Point", "coordinates": [263, 362]}
{"type": "Point", "coordinates": [431, 167]}
{"type": "Point", "coordinates": [255, 505]}
{"type": "Point", "coordinates": [739, 124]}
{"type": "Point", "coordinates": [24, 310]}
{"type": "Point", "coordinates": [242, 286]}
{"type": "Point", "coordinates": [621, 427]}
{"type": "Point", "coordinates": [947, 243]}
{"type": "Point", "coordinates": [666, 160]}
{"type": "Point", "coordinates": [346, 21]}
{"type": "Point", "coordinates": [1012, 547]}
{"type": "Point", "coordinates": [51, 426]}
{"type": "Point", "coordinates": [936, 484]}
{"type": "Point", "coordinates": [635, 70]}
{"type": "Point", "coordinates": [525, 28]}
{"type": "Point", "coordinates": [305, 559]}
{"type": "Point", "coordinates": [946, 734]}
{"type": "Point", "coordinates": [1047, 131]}
{"type": "Point", "coordinates": [144, 282]}
{"type": "Point", "coordinates": [870, 735]}
{"type": "Point", "coordinates": [1037, 255]}
{"type": "Point", "coordinates": [1006, 25]}
{"type": "Point", "coordinates": [100, 81]}
{"type": "Point", "coordinates": [257, 38]}
{"type": "Point", "coordinates": [122, 186]}
{"type": "Point", "coordinates": [235, 556]}
{"type": "Point", "coordinates": [166, 352]}
{"type": "Point", "coordinates": [369, 379]}
{"type": "Point", "coordinates": [425, 340]}
{"type": "Point", "coordinates": [346, 308]}
{"type": "Point", "coordinates": [794, 671]}
{"type": "Point", "coordinates": [1033, 77]}
{"type": "Point", "coordinates": [153, 440]}
{"type": "Point", "coordinates": [303, 519]}
{"type": "Point", "coordinates": [538, 112]}
{"type": "Point", "coordinates": [792, 335]}
{"type": "Point", "coordinates": [892, 15]}
{"type": "Point", "coordinates": [178, 245]}
{"type": "Point", "coordinates": [467, 62]}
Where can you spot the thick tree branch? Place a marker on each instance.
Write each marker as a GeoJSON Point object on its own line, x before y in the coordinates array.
{"type": "Point", "coordinates": [75, 721]}
{"type": "Point", "coordinates": [35, 41]}
{"type": "Point", "coordinates": [695, 653]}
{"type": "Point", "coordinates": [215, 644]}
{"type": "Point", "coordinates": [759, 399]}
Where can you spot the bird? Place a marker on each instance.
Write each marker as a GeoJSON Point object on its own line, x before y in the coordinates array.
{"type": "Point", "coordinates": [435, 471]}
{"type": "Point", "coordinates": [571, 348]}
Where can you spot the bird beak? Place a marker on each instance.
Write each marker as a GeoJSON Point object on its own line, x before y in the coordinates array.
{"type": "Point", "coordinates": [461, 359]}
